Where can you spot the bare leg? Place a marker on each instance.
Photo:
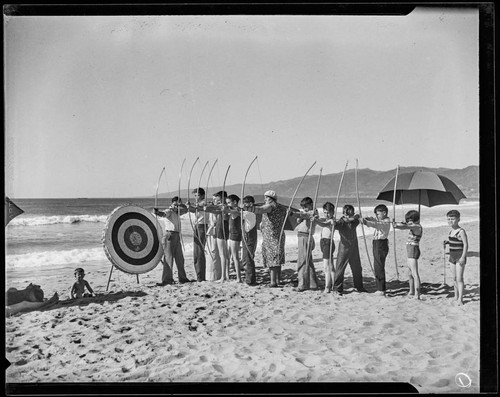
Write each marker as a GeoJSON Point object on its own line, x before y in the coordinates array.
{"type": "Point", "coordinates": [327, 266]}
{"type": "Point", "coordinates": [224, 259]}
{"type": "Point", "coordinates": [460, 283]}
{"type": "Point", "coordinates": [411, 282]}
{"type": "Point", "coordinates": [273, 271]}
{"type": "Point", "coordinates": [415, 278]}
{"type": "Point", "coordinates": [454, 275]}
{"type": "Point", "coordinates": [234, 246]}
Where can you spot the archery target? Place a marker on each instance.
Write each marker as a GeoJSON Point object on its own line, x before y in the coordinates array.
{"type": "Point", "coordinates": [132, 239]}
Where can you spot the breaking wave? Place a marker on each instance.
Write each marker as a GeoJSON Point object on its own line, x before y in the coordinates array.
{"type": "Point", "coordinates": [59, 219]}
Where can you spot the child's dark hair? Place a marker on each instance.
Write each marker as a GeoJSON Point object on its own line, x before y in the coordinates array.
{"type": "Point", "coordinates": [412, 216]}
{"type": "Point", "coordinates": [453, 213]}
{"type": "Point", "coordinates": [79, 270]}
{"type": "Point", "coordinates": [199, 190]}
{"type": "Point", "coordinates": [222, 194]}
{"type": "Point", "coordinates": [234, 197]}
{"type": "Point", "coordinates": [175, 198]}
{"type": "Point", "coordinates": [305, 201]}
{"type": "Point", "coordinates": [348, 207]}
{"type": "Point", "coordinates": [249, 199]}
{"type": "Point", "coordinates": [329, 207]}
{"type": "Point", "coordinates": [381, 207]}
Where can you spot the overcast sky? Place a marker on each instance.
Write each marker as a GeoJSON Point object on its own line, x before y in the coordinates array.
{"type": "Point", "coordinates": [97, 106]}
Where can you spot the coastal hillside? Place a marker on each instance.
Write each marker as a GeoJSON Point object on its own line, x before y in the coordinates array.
{"type": "Point", "coordinates": [370, 183]}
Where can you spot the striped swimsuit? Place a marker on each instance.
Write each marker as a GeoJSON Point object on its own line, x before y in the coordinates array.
{"type": "Point", "coordinates": [456, 245]}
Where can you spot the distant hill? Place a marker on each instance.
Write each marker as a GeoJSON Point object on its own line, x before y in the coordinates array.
{"type": "Point", "coordinates": [369, 183]}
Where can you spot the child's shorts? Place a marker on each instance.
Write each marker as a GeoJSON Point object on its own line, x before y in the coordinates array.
{"type": "Point", "coordinates": [413, 251]}
{"type": "Point", "coordinates": [455, 256]}
{"type": "Point", "coordinates": [324, 245]}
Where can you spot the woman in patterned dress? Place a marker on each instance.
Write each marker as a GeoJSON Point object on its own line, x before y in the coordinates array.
{"type": "Point", "coordinates": [273, 248]}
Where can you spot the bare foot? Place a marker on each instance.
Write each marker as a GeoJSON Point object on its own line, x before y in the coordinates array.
{"type": "Point", "coordinates": [460, 303]}
{"type": "Point", "coordinates": [221, 280]}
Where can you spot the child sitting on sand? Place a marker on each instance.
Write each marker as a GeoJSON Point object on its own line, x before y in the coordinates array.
{"type": "Point", "coordinates": [328, 225]}
{"type": "Point", "coordinates": [412, 249]}
{"type": "Point", "coordinates": [459, 245]}
{"type": "Point", "coordinates": [78, 288]}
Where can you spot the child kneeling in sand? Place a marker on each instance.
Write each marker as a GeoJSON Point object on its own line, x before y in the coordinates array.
{"type": "Point", "coordinates": [459, 245]}
{"type": "Point", "coordinates": [78, 288]}
{"type": "Point", "coordinates": [412, 249]}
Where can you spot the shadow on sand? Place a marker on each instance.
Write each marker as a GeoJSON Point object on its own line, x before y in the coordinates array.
{"type": "Point", "coordinates": [107, 297]}
{"type": "Point", "coordinates": [393, 287]}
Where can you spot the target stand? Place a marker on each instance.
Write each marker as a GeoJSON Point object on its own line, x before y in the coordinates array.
{"type": "Point", "coordinates": [132, 240]}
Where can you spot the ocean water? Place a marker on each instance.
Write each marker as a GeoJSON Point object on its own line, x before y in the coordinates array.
{"type": "Point", "coordinates": [66, 233]}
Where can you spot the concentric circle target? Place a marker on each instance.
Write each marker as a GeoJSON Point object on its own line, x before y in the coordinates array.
{"type": "Point", "coordinates": [132, 239]}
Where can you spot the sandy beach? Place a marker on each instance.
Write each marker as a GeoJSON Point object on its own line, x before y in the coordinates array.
{"type": "Point", "coordinates": [210, 332]}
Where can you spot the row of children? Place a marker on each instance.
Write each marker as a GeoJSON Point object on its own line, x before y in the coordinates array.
{"type": "Point", "coordinates": [217, 226]}
{"type": "Point", "coordinates": [223, 224]}
{"type": "Point", "coordinates": [349, 251]}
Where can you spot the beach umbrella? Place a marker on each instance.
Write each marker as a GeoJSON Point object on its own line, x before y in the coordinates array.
{"type": "Point", "coordinates": [422, 188]}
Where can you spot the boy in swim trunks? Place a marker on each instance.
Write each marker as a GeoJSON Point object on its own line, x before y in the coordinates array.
{"type": "Point", "coordinates": [412, 249]}
{"type": "Point", "coordinates": [78, 288]}
{"type": "Point", "coordinates": [459, 245]}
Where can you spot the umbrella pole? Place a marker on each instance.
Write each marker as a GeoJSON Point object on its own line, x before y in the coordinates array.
{"type": "Point", "coordinates": [394, 220]}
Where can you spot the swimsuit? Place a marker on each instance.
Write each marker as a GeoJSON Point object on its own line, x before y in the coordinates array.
{"type": "Point", "coordinates": [456, 245]}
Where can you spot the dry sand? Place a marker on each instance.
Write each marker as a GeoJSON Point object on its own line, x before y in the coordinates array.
{"type": "Point", "coordinates": [210, 332]}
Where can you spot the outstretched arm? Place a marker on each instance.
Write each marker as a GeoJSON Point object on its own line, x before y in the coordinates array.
{"type": "Point", "coordinates": [323, 222]}
{"type": "Point", "coordinates": [401, 225]}
{"type": "Point", "coordinates": [262, 209]}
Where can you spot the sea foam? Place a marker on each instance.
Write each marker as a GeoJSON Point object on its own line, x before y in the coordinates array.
{"type": "Point", "coordinates": [54, 220]}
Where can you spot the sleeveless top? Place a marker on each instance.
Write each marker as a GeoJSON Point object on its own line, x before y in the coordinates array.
{"type": "Point", "coordinates": [456, 243]}
{"type": "Point", "coordinates": [222, 227]}
{"type": "Point", "coordinates": [414, 239]}
{"type": "Point", "coordinates": [235, 228]}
